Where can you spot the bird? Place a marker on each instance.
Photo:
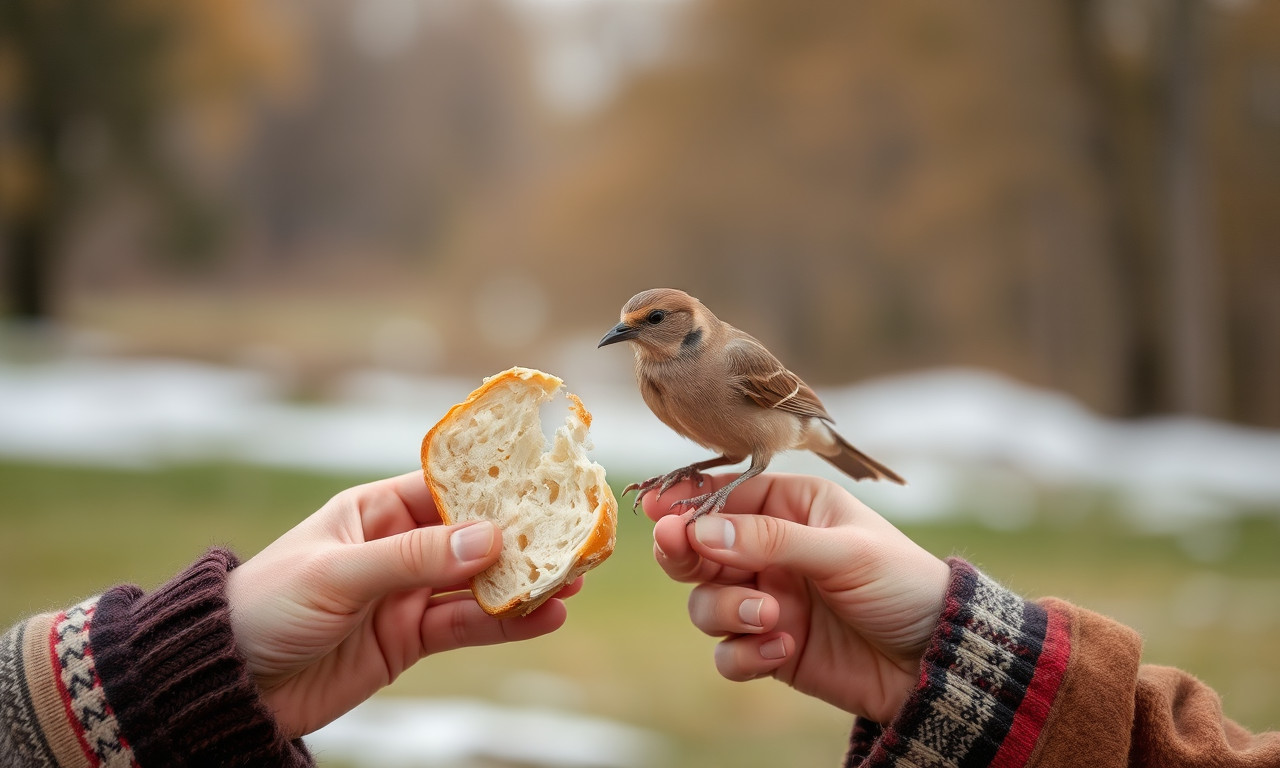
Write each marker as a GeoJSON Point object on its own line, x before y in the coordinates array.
{"type": "Point", "coordinates": [724, 390]}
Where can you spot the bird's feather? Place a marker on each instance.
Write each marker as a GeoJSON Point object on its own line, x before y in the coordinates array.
{"type": "Point", "coordinates": [857, 464]}
{"type": "Point", "coordinates": [757, 374]}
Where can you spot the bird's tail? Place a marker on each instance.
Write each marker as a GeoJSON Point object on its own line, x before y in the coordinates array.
{"type": "Point", "coordinates": [857, 464]}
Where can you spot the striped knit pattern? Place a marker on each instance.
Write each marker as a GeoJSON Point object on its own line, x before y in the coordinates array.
{"type": "Point", "coordinates": [80, 687]}
{"type": "Point", "coordinates": [128, 679]}
{"type": "Point", "coordinates": [54, 711]}
{"type": "Point", "coordinates": [21, 740]}
{"type": "Point", "coordinates": [987, 682]}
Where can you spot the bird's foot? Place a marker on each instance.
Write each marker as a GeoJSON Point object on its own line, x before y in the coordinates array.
{"type": "Point", "coordinates": [663, 483]}
{"type": "Point", "coordinates": [704, 504]}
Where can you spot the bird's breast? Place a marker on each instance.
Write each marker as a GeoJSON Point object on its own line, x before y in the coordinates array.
{"type": "Point", "coordinates": [677, 402]}
{"type": "Point", "coordinates": [713, 415]}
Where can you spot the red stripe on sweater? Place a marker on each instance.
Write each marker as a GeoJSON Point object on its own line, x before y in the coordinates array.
{"type": "Point", "coordinates": [72, 719]}
{"type": "Point", "coordinates": [125, 748]}
{"type": "Point", "coordinates": [1034, 710]}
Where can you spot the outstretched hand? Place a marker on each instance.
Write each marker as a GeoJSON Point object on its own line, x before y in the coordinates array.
{"type": "Point", "coordinates": [340, 605]}
{"type": "Point", "coordinates": [808, 585]}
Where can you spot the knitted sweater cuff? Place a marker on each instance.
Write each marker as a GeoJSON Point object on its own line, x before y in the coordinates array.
{"type": "Point", "coordinates": [987, 682]}
{"type": "Point", "coordinates": [170, 671]}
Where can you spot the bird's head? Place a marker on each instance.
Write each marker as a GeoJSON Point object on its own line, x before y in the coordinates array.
{"type": "Point", "coordinates": [664, 323]}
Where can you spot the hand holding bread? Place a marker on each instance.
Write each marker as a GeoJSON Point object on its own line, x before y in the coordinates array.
{"type": "Point", "coordinates": [356, 593]}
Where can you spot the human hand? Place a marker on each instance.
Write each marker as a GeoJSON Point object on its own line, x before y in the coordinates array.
{"type": "Point", "coordinates": [340, 605]}
{"type": "Point", "coordinates": [807, 585]}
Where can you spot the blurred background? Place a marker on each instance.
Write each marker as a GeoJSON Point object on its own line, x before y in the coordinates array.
{"type": "Point", "coordinates": [1027, 252]}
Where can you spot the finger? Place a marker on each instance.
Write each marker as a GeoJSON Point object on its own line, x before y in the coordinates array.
{"type": "Point", "coordinates": [412, 489]}
{"type": "Point", "coordinates": [672, 550]}
{"type": "Point", "coordinates": [680, 561]}
{"type": "Point", "coordinates": [800, 498]}
{"type": "Point", "coordinates": [438, 555]}
{"type": "Point", "coordinates": [461, 586]}
{"type": "Point", "coordinates": [754, 542]}
{"type": "Point", "coordinates": [385, 507]}
{"type": "Point", "coordinates": [747, 657]}
{"type": "Point", "coordinates": [456, 624]}
{"type": "Point", "coordinates": [719, 609]}
{"type": "Point", "coordinates": [570, 589]}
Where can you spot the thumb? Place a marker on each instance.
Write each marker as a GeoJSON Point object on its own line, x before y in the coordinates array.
{"type": "Point", "coordinates": [433, 556]}
{"type": "Point", "coordinates": [754, 542]}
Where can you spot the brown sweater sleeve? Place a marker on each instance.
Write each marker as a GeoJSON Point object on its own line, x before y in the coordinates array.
{"type": "Point", "coordinates": [137, 679]}
{"type": "Point", "coordinates": [1009, 683]}
{"type": "Point", "coordinates": [1113, 711]}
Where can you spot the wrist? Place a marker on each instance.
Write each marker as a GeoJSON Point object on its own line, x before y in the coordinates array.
{"type": "Point", "coordinates": [927, 594]}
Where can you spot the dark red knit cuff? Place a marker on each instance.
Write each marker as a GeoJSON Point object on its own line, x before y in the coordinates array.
{"type": "Point", "coordinates": [987, 682]}
{"type": "Point", "coordinates": [169, 666]}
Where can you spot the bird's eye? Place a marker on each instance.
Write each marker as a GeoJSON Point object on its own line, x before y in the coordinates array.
{"type": "Point", "coordinates": [656, 316]}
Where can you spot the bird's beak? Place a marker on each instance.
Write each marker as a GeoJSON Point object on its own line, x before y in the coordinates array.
{"type": "Point", "coordinates": [619, 332]}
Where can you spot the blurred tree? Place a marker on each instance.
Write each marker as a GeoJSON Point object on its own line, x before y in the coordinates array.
{"type": "Point", "coordinates": [1242, 135]}
{"type": "Point", "coordinates": [1198, 329]}
{"type": "Point", "coordinates": [99, 95]}
{"type": "Point", "coordinates": [1186, 94]}
{"type": "Point", "coordinates": [1080, 194]}
{"type": "Point", "coordinates": [417, 109]}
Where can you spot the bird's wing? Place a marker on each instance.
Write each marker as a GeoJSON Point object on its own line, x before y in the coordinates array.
{"type": "Point", "coordinates": [757, 374]}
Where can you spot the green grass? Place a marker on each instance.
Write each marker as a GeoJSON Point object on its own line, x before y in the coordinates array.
{"type": "Point", "coordinates": [628, 651]}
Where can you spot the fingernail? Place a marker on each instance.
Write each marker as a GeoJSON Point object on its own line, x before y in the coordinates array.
{"type": "Point", "coordinates": [774, 649]}
{"type": "Point", "coordinates": [714, 531]}
{"type": "Point", "coordinates": [749, 611]}
{"type": "Point", "coordinates": [658, 547]}
{"type": "Point", "coordinates": [472, 542]}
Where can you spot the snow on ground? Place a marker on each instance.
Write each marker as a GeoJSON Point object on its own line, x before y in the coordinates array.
{"type": "Point", "coordinates": [392, 732]}
{"type": "Point", "coordinates": [955, 434]}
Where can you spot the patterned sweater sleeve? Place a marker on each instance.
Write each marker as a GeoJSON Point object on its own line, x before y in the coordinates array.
{"type": "Point", "coordinates": [133, 679]}
{"type": "Point", "coordinates": [1007, 683]}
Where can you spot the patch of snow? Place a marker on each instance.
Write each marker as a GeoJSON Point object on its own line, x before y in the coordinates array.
{"type": "Point", "coordinates": [390, 732]}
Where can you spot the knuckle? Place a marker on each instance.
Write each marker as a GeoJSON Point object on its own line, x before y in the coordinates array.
{"type": "Point", "coordinates": [459, 628]}
{"type": "Point", "coordinates": [774, 537]}
{"type": "Point", "coordinates": [411, 551]}
{"type": "Point", "coordinates": [322, 573]}
{"type": "Point", "coordinates": [318, 565]}
{"type": "Point", "coordinates": [682, 570]}
{"type": "Point", "coordinates": [350, 498]}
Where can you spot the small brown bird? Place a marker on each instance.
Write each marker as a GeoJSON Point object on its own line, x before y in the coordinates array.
{"type": "Point", "coordinates": [721, 388]}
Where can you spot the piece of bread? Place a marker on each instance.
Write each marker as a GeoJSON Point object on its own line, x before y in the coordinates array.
{"type": "Point", "coordinates": [487, 459]}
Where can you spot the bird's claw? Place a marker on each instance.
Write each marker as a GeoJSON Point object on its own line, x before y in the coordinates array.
{"type": "Point", "coordinates": [643, 488]}
{"type": "Point", "coordinates": [663, 483]}
{"type": "Point", "coordinates": [703, 505]}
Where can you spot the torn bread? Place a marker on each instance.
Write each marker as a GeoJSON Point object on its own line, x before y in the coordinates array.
{"type": "Point", "coordinates": [487, 459]}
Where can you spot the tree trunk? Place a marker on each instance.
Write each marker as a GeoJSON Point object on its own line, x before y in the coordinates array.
{"type": "Point", "coordinates": [1196, 323]}
{"type": "Point", "coordinates": [1121, 133]}
{"type": "Point", "coordinates": [30, 268]}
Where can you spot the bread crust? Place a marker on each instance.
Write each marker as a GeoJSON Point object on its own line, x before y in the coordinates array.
{"type": "Point", "coordinates": [599, 542]}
